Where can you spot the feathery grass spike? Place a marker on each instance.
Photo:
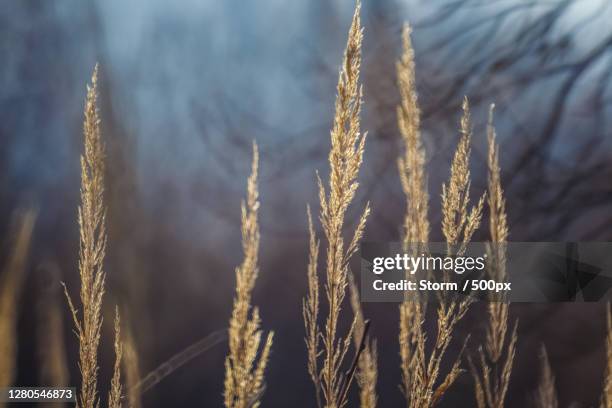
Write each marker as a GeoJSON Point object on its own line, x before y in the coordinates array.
{"type": "Point", "coordinates": [423, 381]}
{"type": "Point", "coordinates": [345, 158]}
{"type": "Point", "coordinates": [91, 218]}
{"type": "Point", "coordinates": [244, 371]}
{"type": "Point", "coordinates": [93, 238]}
{"type": "Point", "coordinates": [492, 377]}
{"type": "Point", "coordinates": [459, 224]}
{"type": "Point", "coordinates": [411, 168]}
{"type": "Point", "coordinates": [412, 164]}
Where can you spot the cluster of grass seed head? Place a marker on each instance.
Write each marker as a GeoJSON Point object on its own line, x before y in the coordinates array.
{"type": "Point", "coordinates": [428, 368]}
{"type": "Point", "coordinates": [423, 380]}
{"type": "Point", "coordinates": [244, 371]}
{"type": "Point", "coordinates": [459, 224]}
{"type": "Point", "coordinates": [411, 164]}
{"type": "Point", "coordinates": [93, 238]}
{"type": "Point", "coordinates": [492, 371]}
{"type": "Point", "coordinates": [345, 159]}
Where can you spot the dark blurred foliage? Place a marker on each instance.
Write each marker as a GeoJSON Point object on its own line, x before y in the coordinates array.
{"type": "Point", "coordinates": [186, 87]}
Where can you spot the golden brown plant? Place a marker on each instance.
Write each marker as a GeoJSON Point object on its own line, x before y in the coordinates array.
{"type": "Point", "coordinates": [498, 227]}
{"type": "Point", "coordinates": [310, 310]}
{"type": "Point", "coordinates": [498, 223]}
{"type": "Point", "coordinates": [367, 373]}
{"type": "Point", "coordinates": [11, 282]}
{"type": "Point", "coordinates": [93, 238]}
{"type": "Point", "coordinates": [423, 382]}
{"type": "Point", "coordinates": [416, 224]}
{"type": "Point", "coordinates": [458, 225]}
{"type": "Point", "coordinates": [491, 381]}
{"type": "Point", "coordinates": [412, 164]}
{"type": "Point", "coordinates": [345, 158]}
{"type": "Point", "coordinates": [606, 398]}
{"type": "Point", "coordinates": [114, 395]}
{"type": "Point", "coordinates": [244, 373]}
{"type": "Point", "coordinates": [92, 248]}
{"type": "Point", "coordinates": [546, 396]}
{"type": "Point", "coordinates": [132, 371]}
{"type": "Point", "coordinates": [492, 377]}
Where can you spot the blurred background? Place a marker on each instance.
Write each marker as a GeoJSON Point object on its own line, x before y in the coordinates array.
{"type": "Point", "coordinates": [186, 86]}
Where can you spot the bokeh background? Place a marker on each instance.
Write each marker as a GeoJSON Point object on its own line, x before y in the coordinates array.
{"type": "Point", "coordinates": [185, 88]}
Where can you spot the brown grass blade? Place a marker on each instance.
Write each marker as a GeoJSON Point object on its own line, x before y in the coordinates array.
{"type": "Point", "coordinates": [131, 368]}
{"type": "Point", "coordinates": [546, 396]}
{"type": "Point", "coordinates": [165, 369]}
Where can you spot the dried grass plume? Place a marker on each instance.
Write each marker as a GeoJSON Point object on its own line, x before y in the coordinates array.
{"type": "Point", "coordinates": [493, 368]}
{"type": "Point", "coordinates": [345, 158]}
{"type": "Point", "coordinates": [459, 224]}
{"type": "Point", "coordinates": [244, 371]}
{"type": "Point", "coordinates": [91, 217]}
{"type": "Point", "coordinates": [424, 381]}
{"type": "Point", "coordinates": [93, 239]}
